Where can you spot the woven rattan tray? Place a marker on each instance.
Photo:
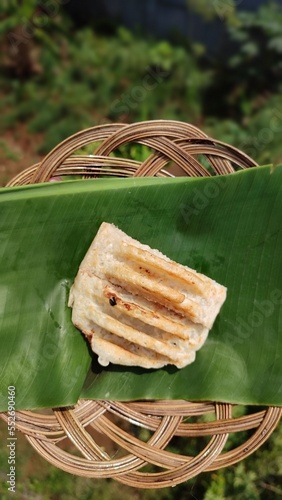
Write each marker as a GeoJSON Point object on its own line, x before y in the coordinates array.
{"type": "Point", "coordinates": [115, 439]}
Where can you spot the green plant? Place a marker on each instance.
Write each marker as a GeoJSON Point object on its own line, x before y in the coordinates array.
{"type": "Point", "coordinates": [252, 72]}
{"type": "Point", "coordinates": [22, 26]}
{"type": "Point", "coordinates": [243, 321]}
{"type": "Point", "coordinates": [74, 78]}
{"type": "Point", "coordinates": [7, 152]}
{"type": "Point", "coordinates": [226, 10]}
{"type": "Point", "coordinates": [258, 134]}
{"type": "Point", "coordinates": [258, 56]}
{"type": "Point", "coordinates": [121, 78]}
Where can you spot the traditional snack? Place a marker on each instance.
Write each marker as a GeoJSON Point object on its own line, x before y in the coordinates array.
{"type": "Point", "coordinates": [139, 308]}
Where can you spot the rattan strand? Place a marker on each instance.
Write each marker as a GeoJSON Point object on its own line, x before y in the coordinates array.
{"type": "Point", "coordinates": [171, 144]}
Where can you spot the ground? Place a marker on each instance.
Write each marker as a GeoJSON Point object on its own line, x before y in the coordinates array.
{"type": "Point", "coordinates": [17, 152]}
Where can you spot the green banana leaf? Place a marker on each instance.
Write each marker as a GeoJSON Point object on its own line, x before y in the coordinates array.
{"type": "Point", "coordinates": [227, 227]}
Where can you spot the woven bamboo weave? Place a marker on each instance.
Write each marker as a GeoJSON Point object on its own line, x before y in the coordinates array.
{"type": "Point", "coordinates": [110, 439]}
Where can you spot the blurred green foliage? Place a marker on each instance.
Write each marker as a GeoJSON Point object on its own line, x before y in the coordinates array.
{"type": "Point", "coordinates": [57, 79]}
{"type": "Point", "coordinates": [226, 10]}
{"type": "Point", "coordinates": [252, 73]}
